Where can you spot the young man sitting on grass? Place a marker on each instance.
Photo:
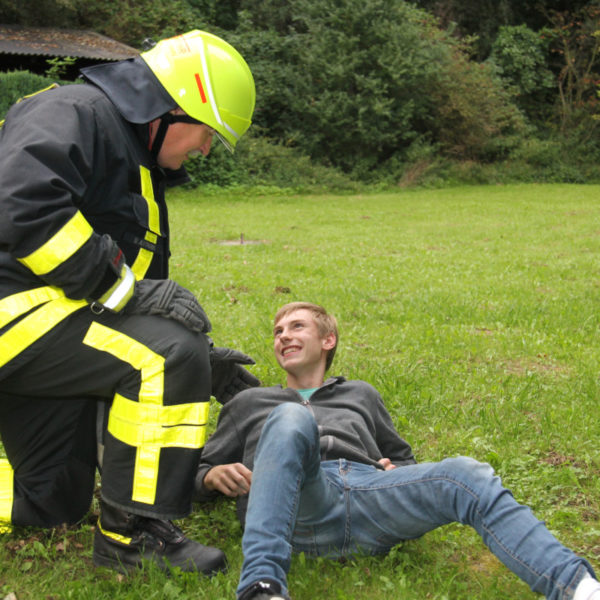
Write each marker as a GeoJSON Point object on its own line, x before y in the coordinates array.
{"type": "Point", "coordinates": [327, 474]}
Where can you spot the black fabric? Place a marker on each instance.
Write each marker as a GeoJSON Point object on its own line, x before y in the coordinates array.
{"type": "Point", "coordinates": [69, 150]}
{"type": "Point", "coordinates": [54, 457]}
{"type": "Point", "coordinates": [229, 377]}
{"type": "Point", "coordinates": [47, 451]}
{"type": "Point", "coordinates": [133, 88]}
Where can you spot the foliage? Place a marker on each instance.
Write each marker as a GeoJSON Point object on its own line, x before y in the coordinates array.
{"type": "Point", "coordinates": [576, 44]}
{"type": "Point", "coordinates": [16, 84]}
{"type": "Point", "coordinates": [324, 95]}
{"type": "Point", "coordinates": [361, 88]}
{"type": "Point", "coordinates": [482, 19]}
{"type": "Point", "coordinates": [521, 56]}
{"type": "Point", "coordinates": [259, 162]}
{"type": "Point", "coordinates": [57, 67]}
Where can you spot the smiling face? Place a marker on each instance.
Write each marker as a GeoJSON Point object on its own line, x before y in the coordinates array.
{"type": "Point", "coordinates": [183, 140]}
{"type": "Point", "coordinates": [300, 349]}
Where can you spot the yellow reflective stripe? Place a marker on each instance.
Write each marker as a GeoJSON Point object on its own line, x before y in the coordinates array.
{"type": "Point", "coordinates": [140, 425]}
{"type": "Point", "coordinates": [6, 495]}
{"type": "Point", "coordinates": [115, 536]}
{"type": "Point", "coordinates": [50, 87]}
{"type": "Point", "coordinates": [131, 351]}
{"type": "Point", "coordinates": [35, 325]}
{"type": "Point", "coordinates": [194, 413]}
{"type": "Point", "coordinates": [148, 194]}
{"type": "Point", "coordinates": [147, 424]}
{"type": "Point", "coordinates": [61, 246]}
{"type": "Point", "coordinates": [14, 306]}
{"type": "Point", "coordinates": [147, 460]}
{"type": "Point", "coordinates": [144, 257]}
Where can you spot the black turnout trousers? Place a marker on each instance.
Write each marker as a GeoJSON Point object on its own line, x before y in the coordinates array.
{"type": "Point", "coordinates": [154, 376]}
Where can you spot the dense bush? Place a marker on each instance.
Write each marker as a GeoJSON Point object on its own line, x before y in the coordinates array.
{"type": "Point", "coordinates": [16, 84]}
{"type": "Point", "coordinates": [354, 84]}
{"type": "Point", "coordinates": [522, 57]}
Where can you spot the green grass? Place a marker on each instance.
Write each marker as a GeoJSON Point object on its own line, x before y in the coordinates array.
{"type": "Point", "coordinates": [473, 310]}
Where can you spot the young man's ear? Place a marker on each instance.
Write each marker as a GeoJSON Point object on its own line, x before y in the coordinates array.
{"type": "Point", "coordinates": [329, 341]}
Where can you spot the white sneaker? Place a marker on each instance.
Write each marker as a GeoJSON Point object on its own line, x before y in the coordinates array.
{"type": "Point", "coordinates": [588, 589]}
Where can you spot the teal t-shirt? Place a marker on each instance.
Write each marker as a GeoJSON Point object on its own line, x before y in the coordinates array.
{"type": "Point", "coordinates": [306, 394]}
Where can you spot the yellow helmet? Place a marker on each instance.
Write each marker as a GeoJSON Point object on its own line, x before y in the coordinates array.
{"type": "Point", "coordinates": [208, 79]}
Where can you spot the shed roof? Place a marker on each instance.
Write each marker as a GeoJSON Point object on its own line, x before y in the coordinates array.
{"type": "Point", "coordinates": [15, 39]}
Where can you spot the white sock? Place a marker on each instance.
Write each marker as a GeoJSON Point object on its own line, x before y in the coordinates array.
{"type": "Point", "coordinates": [588, 589]}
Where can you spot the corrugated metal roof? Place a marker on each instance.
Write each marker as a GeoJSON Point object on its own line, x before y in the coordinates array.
{"type": "Point", "coordinates": [15, 39]}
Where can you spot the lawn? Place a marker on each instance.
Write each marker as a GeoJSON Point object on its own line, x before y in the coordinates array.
{"type": "Point", "coordinates": [474, 311]}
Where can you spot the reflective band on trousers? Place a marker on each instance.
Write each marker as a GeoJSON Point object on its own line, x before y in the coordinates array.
{"type": "Point", "coordinates": [6, 494]}
{"type": "Point", "coordinates": [55, 307]}
{"type": "Point", "coordinates": [147, 424]}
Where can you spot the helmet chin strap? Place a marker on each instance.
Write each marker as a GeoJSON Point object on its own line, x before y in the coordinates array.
{"type": "Point", "coordinates": [166, 120]}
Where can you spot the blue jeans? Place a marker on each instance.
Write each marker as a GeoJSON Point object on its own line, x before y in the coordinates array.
{"type": "Point", "coordinates": [337, 508]}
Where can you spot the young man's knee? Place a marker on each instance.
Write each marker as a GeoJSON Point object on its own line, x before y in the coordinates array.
{"type": "Point", "coordinates": [289, 420]}
{"type": "Point", "coordinates": [468, 470]}
{"type": "Point", "coordinates": [293, 416]}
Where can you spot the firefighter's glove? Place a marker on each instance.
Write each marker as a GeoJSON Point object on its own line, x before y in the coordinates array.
{"type": "Point", "coordinates": [228, 375]}
{"type": "Point", "coordinates": [165, 298]}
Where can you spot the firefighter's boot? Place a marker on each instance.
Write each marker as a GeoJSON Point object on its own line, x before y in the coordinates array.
{"type": "Point", "coordinates": [122, 541]}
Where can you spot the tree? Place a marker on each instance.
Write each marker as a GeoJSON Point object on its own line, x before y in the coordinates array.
{"type": "Point", "coordinates": [576, 44]}
{"type": "Point", "coordinates": [354, 84]}
{"type": "Point", "coordinates": [522, 57]}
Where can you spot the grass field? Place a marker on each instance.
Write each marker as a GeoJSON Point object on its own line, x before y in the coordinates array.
{"type": "Point", "coordinates": [473, 310]}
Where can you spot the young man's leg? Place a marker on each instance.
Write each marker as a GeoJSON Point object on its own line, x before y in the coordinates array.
{"type": "Point", "coordinates": [406, 502]}
{"type": "Point", "coordinates": [286, 476]}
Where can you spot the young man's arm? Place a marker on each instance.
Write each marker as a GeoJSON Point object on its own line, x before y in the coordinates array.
{"type": "Point", "coordinates": [220, 468]}
{"type": "Point", "coordinates": [232, 480]}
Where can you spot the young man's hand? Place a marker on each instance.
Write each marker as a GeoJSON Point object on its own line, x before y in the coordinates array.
{"type": "Point", "coordinates": [388, 465]}
{"type": "Point", "coordinates": [232, 480]}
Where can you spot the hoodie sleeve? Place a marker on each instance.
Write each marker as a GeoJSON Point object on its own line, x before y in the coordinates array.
{"type": "Point", "coordinates": [223, 447]}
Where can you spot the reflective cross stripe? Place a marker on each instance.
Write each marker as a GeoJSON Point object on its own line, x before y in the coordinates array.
{"type": "Point", "coordinates": [35, 325]}
{"type": "Point", "coordinates": [147, 424]}
{"type": "Point", "coordinates": [6, 495]}
{"type": "Point", "coordinates": [61, 246]}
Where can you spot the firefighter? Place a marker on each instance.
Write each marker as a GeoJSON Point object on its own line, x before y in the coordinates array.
{"type": "Point", "coordinates": [88, 313]}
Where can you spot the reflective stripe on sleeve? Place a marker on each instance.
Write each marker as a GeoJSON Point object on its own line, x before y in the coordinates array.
{"type": "Point", "coordinates": [60, 247]}
{"type": "Point", "coordinates": [120, 293]}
